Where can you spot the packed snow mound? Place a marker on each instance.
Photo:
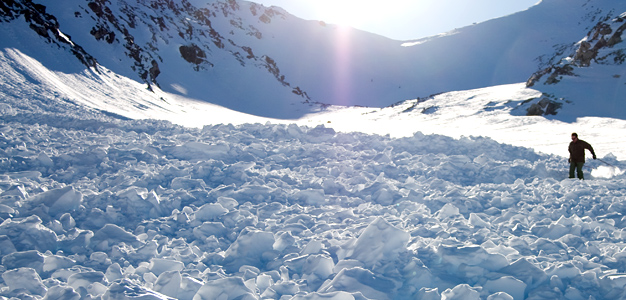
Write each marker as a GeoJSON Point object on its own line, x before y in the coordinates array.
{"type": "Point", "coordinates": [98, 207]}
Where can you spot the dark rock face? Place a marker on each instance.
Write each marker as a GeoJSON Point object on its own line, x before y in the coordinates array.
{"type": "Point", "coordinates": [544, 107]}
{"type": "Point", "coordinates": [193, 54]}
{"type": "Point", "coordinates": [602, 38]}
{"type": "Point", "coordinates": [45, 25]}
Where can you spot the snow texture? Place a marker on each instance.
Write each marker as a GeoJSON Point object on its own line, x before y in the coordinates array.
{"type": "Point", "coordinates": [95, 206]}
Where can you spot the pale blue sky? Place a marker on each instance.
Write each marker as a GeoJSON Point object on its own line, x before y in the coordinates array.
{"type": "Point", "coordinates": [401, 19]}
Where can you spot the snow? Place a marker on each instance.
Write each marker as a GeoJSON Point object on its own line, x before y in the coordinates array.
{"type": "Point", "coordinates": [99, 206]}
{"type": "Point", "coordinates": [111, 191]}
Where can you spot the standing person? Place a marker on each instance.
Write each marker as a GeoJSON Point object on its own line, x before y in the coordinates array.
{"type": "Point", "coordinates": [577, 155]}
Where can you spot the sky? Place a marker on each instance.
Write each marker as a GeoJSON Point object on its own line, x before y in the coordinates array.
{"type": "Point", "coordinates": [401, 19]}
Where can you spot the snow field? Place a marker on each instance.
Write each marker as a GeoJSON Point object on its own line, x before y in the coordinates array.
{"type": "Point", "coordinates": [97, 207]}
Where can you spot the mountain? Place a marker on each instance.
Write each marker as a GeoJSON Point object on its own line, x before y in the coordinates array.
{"type": "Point", "coordinates": [591, 71]}
{"type": "Point", "coordinates": [266, 62]}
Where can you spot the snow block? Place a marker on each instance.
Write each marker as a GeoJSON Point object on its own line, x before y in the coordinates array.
{"type": "Point", "coordinates": [356, 280]}
{"type": "Point", "coordinates": [379, 242]}
{"type": "Point", "coordinates": [507, 284]}
{"type": "Point", "coordinates": [160, 265]}
{"type": "Point", "coordinates": [226, 289]}
{"type": "Point", "coordinates": [172, 284]}
{"type": "Point", "coordinates": [24, 279]}
{"type": "Point", "coordinates": [62, 292]}
{"type": "Point", "coordinates": [250, 248]}
{"type": "Point", "coordinates": [95, 283]}
{"type": "Point", "coordinates": [527, 272]}
{"type": "Point", "coordinates": [200, 151]}
{"type": "Point", "coordinates": [112, 234]}
{"type": "Point", "coordinates": [325, 296]}
{"type": "Point", "coordinates": [210, 212]}
{"type": "Point", "coordinates": [58, 201]}
{"type": "Point", "coordinates": [29, 234]}
{"type": "Point", "coordinates": [26, 259]}
{"type": "Point", "coordinates": [461, 292]}
{"type": "Point", "coordinates": [126, 290]}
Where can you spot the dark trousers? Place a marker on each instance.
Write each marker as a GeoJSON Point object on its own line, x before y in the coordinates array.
{"type": "Point", "coordinates": [576, 167]}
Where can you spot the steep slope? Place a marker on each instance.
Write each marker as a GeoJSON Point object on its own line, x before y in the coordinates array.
{"type": "Point", "coordinates": [263, 61]}
{"type": "Point", "coordinates": [589, 79]}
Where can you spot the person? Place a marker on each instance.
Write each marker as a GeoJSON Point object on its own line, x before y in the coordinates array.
{"type": "Point", "coordinates": [577, 156]}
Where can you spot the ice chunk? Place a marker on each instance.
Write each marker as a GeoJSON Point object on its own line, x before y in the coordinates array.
{"type": "Point", "coordinates": [160, 265]}
{"type": "Point", "coordinates": [26, 279]}
{"type": "Point", "coordinates": [58, 200]}
{"type": "Point", "coordinates": [456, 256]}
{"type": "Point", "coordinates": [325, 296]}
{"type": "Point", "coordinates": [500, 296]}
{"type": "Point", "coordinates": [250, 248]}
{"type": "Point", "coordinates": [94, 282]}
{"type": "Point", "coordinates": [55, 262]}
{"type": "Point", "coordinates": [227, 202]}
{"type": "Point", "coordinates": [126, 289]}
{"type": "Point", "coordinates": [461, 292]}
{"type": "Point", "coordinates": [507, 284]}
{"type": "Point", "coordinates": [168, 283]}
{"type": "Point", "coordinates": [112, 234]}
{"type": "Point", "coordinates": [208, 229]}
{"type": "Point", "coordinates": [26, 259]}
{"type": "Point", "coordinates": [114, 272]}
{"type": "Point", "coordinates": [313, 197]}
{"type": "Point", "coordinates": [225, 288]}
{"type": "Point", "coordinates": [448, 211]}
{"type": "Point", "coordinates": [428, 294]}
{"type": "Point", "coordinates": [16, 190]}
{"type": "Point", "coordinates": [360, 280]}
{"type": "Point", "coordinates": [61, 292]}
{"type": "Point", "coordinates": [29, 234]}
{"type": "Point", "coordinates": [477, 221]}
{"type": "Point", "coordinates": [6, 246]}
{"type": "Point", "coordinates": [527, 272]}
{"type": "Point", "coordinates": [317, 268]}
{"type": "Point", "coordinates": [200, 151]}
{"type": "Point", "coordinates": [210, 212]}
{"type": "Point", "coordinates": [380, 241]}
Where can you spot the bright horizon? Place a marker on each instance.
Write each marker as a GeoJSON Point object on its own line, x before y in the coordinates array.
{"type": "Point", "coordinates": [401, 19]}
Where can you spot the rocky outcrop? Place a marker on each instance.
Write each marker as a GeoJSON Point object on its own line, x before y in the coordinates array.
{"type": "Point", "coordinates": [45, 25]}
{"type": "Point", "coordinates": [544, 107]}
{"type": "Point", "coordinates": [598, 46]}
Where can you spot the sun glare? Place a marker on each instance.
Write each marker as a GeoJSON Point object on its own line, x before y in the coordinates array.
{"type": "Point", "coordinates": [355, 12]}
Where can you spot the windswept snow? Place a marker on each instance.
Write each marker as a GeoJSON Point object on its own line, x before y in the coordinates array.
{"type": "Point", "coordinates": [95, 206]}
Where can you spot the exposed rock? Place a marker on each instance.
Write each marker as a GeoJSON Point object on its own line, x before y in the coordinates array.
{"type": "Point", "coordinates": [45, 25]}
{"type": "Point", "coordinates": [192, 53]}
{"type": "Point", "coordinates": [544, 107]}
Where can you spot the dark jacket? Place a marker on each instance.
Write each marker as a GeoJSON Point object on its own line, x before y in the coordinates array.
{"type": "Point", "coordinates": [577, 151]}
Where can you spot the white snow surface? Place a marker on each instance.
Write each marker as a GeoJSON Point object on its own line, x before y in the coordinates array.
{"type": "Point", "coordinates": [108, 191]}
{"type": "Point", "coordinates": [111, 191]}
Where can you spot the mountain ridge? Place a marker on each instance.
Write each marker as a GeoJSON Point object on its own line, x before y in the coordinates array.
{"type": "Point", "coordinates": [263, 61]}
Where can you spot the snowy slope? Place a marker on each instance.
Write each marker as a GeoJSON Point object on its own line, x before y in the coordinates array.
{"type": "Point", "coordinates": [589, 79]}
{"type": "Point", "coordinates": [263, 61]}
{"type": "Point", "coordinates": [95, 206]}
{"type": "Point", "coordinates": [497, 112]}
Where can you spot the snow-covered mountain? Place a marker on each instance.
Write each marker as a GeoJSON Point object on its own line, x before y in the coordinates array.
{"type": "Point", "coordinates": [263, 61]}
{"type": "Point", "coordinates": [588, 78]}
